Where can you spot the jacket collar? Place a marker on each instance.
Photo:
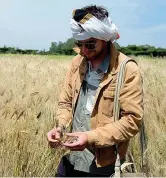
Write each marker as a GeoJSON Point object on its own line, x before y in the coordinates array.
{"type": "Point", "coordinates": [113, 68]}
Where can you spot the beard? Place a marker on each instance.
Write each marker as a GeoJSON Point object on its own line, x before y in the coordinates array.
{"type": "Point", "coordinates": [96, 54]}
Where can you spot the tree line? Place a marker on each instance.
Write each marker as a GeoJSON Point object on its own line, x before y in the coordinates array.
{"type": "Point", "coordinates": [66, 48]}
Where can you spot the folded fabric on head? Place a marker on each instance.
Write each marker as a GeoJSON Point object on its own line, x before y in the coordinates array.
{"type": "Point", "coordinates": [84, 26]}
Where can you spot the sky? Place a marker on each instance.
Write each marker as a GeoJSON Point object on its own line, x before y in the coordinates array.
{"type": "Point", "coordinates": [34, 24]}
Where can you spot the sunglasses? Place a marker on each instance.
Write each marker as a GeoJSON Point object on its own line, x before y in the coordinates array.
{"type": "Point", "coordinates": [88, 45]}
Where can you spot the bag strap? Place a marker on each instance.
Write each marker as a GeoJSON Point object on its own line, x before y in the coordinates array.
{"type": "Point", "coordinates": [116, 111]}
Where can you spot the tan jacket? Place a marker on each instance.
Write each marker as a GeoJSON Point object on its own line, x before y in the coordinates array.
{"type": "Point", "coordinates": [105, 132]}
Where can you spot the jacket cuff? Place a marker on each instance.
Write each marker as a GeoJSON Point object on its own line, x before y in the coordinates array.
{"type": "Point", "coordinates": [61, 123]}
{"type": "Point", "coordinates": [92, 138]}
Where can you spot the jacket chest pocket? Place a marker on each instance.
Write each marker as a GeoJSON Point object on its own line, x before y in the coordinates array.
{"type": "Point", "coordinates": [107, 102]}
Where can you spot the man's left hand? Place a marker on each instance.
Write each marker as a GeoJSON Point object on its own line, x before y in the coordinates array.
{"type": "Point", "coordinates": [79, 144]}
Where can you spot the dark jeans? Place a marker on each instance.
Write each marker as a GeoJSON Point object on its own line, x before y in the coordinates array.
{"type": "Point", "coordinates": [66, 169]}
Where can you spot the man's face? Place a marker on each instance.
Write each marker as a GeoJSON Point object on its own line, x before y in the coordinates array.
{"type": "Point", "coordinates": [91, 48]}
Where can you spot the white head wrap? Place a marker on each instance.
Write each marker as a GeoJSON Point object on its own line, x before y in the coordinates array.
{"type": "Point", "coordinates": [90, 27]}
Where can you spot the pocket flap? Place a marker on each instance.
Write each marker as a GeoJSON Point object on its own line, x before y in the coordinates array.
{"type": "Point", "coordinates": [109, 94]}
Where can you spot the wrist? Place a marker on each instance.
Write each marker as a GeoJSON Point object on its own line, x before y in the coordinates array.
{"type": "Point", "coordinates": [91, 138]}
{"type": "Point", "coordinates": [61, 126]}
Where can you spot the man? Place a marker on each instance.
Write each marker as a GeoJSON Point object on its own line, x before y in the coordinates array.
{"type": "Point", "coordinates": [86, 101]}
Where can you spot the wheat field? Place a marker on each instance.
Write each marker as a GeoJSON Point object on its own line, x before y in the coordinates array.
{"type": "Point", "coordinates": [29, 90]}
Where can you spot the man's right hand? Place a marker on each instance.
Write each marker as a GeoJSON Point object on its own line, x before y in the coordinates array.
{"type": "Point", "coordinates": [53, 137]}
